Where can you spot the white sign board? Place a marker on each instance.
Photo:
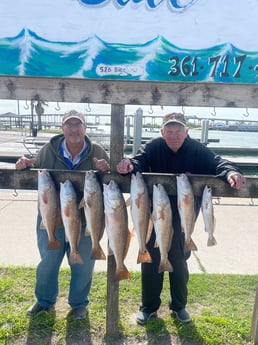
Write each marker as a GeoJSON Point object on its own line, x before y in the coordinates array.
{"type": "Point", "coordinates": [151, 40]}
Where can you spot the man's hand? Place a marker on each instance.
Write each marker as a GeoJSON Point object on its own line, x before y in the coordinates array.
{"type": "Point", "coordinates": [24, 162]}
{"type": "Point", "coordinates": [101, 164]}
{"type": "Point", "coordinates": [236, 180]}
{"type": "Point", "coordinates": [124, 166]}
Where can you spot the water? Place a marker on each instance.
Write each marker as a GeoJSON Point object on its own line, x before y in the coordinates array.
{"type": "Point", "coordinates": [229, 138]}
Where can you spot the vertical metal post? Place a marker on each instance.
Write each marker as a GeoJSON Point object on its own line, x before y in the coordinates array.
{"type": "Point", "coordinates": [137, 130]}
{"type": "Point", "coordinates": [128, 130]}
{"type": "Point", "coordinates": [116, 154]}
{"type": "Point", "coordinates": [205, 131]}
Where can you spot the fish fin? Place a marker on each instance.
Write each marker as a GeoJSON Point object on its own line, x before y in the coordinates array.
{"type": "Point", "coordinates": [133, 232]}
{"type": "Point", "coordinates": [98, 254]}
{"type": "Point", "coordinates": [138, 202]}
{"type": "Point", "coordinates": [101, 233]}
{"type": "Point", "coordinates": [190, 245]}
{"type": "Point", "coordinates": [42, 226]}
{"type": "Point", "coordinates": [66, 211]}
{"type": "Point", "coordinates": [127, 243]}
{"type": "Point", "coordinates": [156, 245]}
{"type": "Point", "coordinates": [128, 202]}
{"type": "Point", "coordinates": [75, 258]}
{"type": "Point", "coordinates": [165, 265]}
{"type": "Point", "coordinates": [87, 231]}
{"type": "Point", "coordinates": [54, 244]}
{"type": "Point", "coordinates": [124, 274]}
{"type": "Point", "coordinates": [149, 231]}
{"type": "Point", "coordinates": [211, 241]}
{"type": "Point", "coordinates": [110, 251]}
{"type": "Point", "coordinates": [144, 257]}
{"type": "Point", "coordinates": [89, 202]}
{"type": "Point", "coordinates": [187, 200]}
{"type": "Point", "coordinates": [81, 204]}
{"type": "Point", "coordinates": [44, 198]}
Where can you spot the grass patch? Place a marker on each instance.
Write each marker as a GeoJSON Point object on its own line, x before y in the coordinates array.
{"type": "Point", "coordinates": [221, 307]}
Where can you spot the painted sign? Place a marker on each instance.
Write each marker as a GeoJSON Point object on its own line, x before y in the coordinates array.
{"type": "Point", "coordinates": [151, 40]}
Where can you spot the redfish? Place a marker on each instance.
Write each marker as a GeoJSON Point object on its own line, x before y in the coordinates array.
{"type": "Point", "coordinates": [162, 219]}
{"type": "Point", "coordinates": [94, 213]}
{"type": "Point", "coordinates": [49, 207]}
{"type": "Point", "coordinates": [141, 215]}
{"type": "Point", "coordinates": [185, 202]}
{"type": "Point", "coordinates": [71, 218]}
{"type": "Point", "coordinates": [116, 221]}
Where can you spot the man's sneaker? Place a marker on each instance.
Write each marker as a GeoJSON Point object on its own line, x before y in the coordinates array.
{"type": "Point", "coordinates": [182, 315]}
{"type": "Point", "coordinates": [79, 313]}
{"type": "Point", "coordinates": [142, 317]}
{"type": "Point", "coordinates": [37, 308]}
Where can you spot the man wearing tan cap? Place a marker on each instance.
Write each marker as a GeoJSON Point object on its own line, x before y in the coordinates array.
{"type": "Point", "coordinates": [174, 152]}
{"type": "Point", "coordinates": [71, 150]}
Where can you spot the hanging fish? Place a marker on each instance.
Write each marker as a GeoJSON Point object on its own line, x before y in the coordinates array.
{"type": "Point", "coordinates": [93, 205]}
{"type": "Point", "coordinates": [162, 219]}
{"type": "Point", "coordinates": [185, 202]}
{"type": "Point", "coordinates": [141, 215]}
{"type": "Point", "coordinates": [208, 215]}
{"type": "Point", "coordinates": [116, 221]}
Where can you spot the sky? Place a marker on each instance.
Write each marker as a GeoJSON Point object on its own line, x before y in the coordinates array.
{"type": "Point", "coordinates": [23, 108]}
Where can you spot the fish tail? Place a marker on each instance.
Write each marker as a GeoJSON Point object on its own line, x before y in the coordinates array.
{"type": "Point", "coordinates": [98, 254]}
{"type": "Point", "coordinates": [144, 256]}
{"type": "Point", "coordinates": [75, 258]}
{"type": "Point", "coordinates": [165, 265]}
{"type": "Point", "coordinates": [87, 232]}
{"type": "Point", "coordinates": [54, 244]}
{"type": "Point", "coordinates": [190, 245]}
{"type": "Point", "coordinates": [211, 241]}
{"type": "Point", "coordinates": [123, 274]}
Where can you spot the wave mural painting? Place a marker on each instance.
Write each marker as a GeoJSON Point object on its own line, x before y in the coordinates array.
{"type": "Point", "coordinates": [102, 48]}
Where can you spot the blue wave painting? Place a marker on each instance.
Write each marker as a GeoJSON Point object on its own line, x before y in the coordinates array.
{"type": "Point", "coordinates": [27, 54]}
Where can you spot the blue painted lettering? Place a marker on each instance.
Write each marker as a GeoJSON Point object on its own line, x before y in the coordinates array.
{"type": "Point", "coordinates": [176, 5]}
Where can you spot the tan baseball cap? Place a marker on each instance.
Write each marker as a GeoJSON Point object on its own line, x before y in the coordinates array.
{"type": "Point", "coordinates": [176, 118]}
{"type": "Point", "coordinates": [73, 114]}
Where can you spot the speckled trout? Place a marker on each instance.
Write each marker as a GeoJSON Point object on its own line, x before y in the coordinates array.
{"type": "Point", "coordinates": [208, 215]}
{"type": "Point", "coordinates": [116, 221]}
{"type": "Point", "coordinates": [71, 218]}
{"type": "Point", "coordinates": [49, 207]}
{"type": "Point", "coordinates": [162, 219]}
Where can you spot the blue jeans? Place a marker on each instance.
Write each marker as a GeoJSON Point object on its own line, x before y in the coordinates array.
{"type": "Point", "coordinates": [46, 289]}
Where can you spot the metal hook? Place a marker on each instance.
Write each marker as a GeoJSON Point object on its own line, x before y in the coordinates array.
{"type": "Point", "coordinates": [246, 113]}
{"type": "Point", "coordinates": [214, 112]}
{"type": "Point", "coordinates": [15, 193]}
{"type": "Point", "coordinates": [217, 201]}
{"type": "Point", "coordinates": [151, 110]}
{"type": "Point", "coordinates": [88, 108]}
{"type": "Point", "coordinates": [26, 105]}
{"type": "Point", "coordinates": [251, 203]}
{"type": "Point", "coordinates": [57, 106]}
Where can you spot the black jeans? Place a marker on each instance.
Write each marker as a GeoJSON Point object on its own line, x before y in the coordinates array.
{"type": "Point", "coordinates": [152, 281]}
